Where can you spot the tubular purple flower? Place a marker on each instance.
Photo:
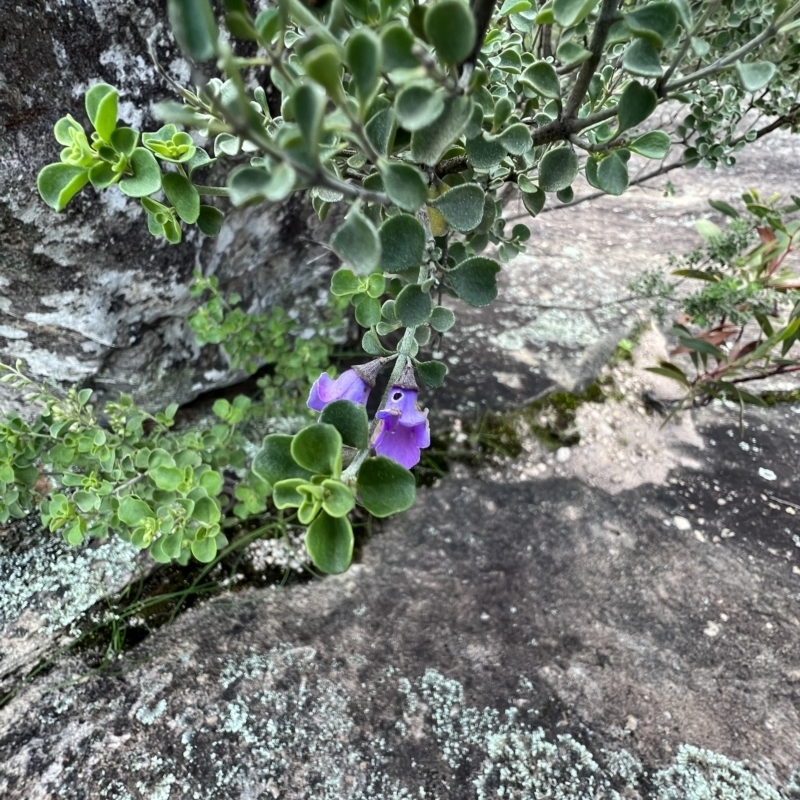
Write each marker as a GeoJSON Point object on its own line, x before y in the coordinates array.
{"type": "Point", "coordinates": [403, 429]}
{"type": "Point", "coordinates": [348, 386]}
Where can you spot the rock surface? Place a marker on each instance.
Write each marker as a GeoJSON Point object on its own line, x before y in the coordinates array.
{"type": "Point", "coordinates": [538, 635]}
{"type": "Point", "coordinates": [564, 305]}
{"type": "Point", "coordinates": [88, 296]}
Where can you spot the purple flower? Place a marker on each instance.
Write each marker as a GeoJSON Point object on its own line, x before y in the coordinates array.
{"type": "Point", "coordinates": [403, 429]}
{"type": "Point", "coordinates": [348, 386]}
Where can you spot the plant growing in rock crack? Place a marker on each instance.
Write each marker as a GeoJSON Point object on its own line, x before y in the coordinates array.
{"type": "Point", "coordinates": [414, 119]}
{"type": "Point", "coordinates": [744, 323]}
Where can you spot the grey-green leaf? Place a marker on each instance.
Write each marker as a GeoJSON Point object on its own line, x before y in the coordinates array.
{"type": "Point", "coordinates": [417, 106]}
{"type": "Point", "coordinates": [484, 153]}
{"type": "Point", "coordinates": [516, 139]}
{"type": "Point", "coordinates": [429, 143]}
{"type": "Point", "coordinates": [654, 144]}
{"type": "Point", "coordinates": [755, 75]}
{"type": "Point", "coordinates": [612, 175]}
{"type": "Point", "coordinates": [274, 461]}
{"type": "Point", "coordinates": [475, 280]}
{"type": "Point", "coordinates": [364, 59]}
{"type": "Point", "coordinates": [461, 206]}
{"type": "Point", "coordinates": [350, 419]}
{"type": "Point", "coordinates": [570, 12]}
{"type": "Point", "coordinates": [557, 169]}
{"type": "Point", "coordinates": [450, 28]}
{"type": "Point", "coordinates": [404, 184]}
{"type": "Point", "coordinates": [543, 79]}
{"type": "Point", "coordinates": [356, 242]}
{"type": "Point", "coordinates": [194, 27]}
{"type": "Point", "coordinates": [641, 58]}
{"type": "Point", "coordinates": [402, 240]}
{"type": "Point", "coordinates": [636, 104]}
{"type": "Point", "coordinates": [413, 306]}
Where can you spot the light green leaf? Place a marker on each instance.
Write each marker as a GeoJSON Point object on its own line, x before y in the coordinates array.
{"type": "Point", "coordinates": [194, 27]}
{"type": "Point", "coordinates": [204, 550]}
{"type": "Point", "coordinates": [570, 12]}
{"type": "Point", "coordinates": [707, 229]}
{"type": "Point", "coordinates": [461, 206]}
{"type": "Point", "coordinates": [413, 306]}
{"type": "Point", "coordinates": [655, 144]}
{"type": "Point", "coordinates": [612, 175]}
{"type": "Point", "coordinates": [756, 75]}
{"type": "Point", "coordinates": [285, 494]}
{"type": "Point", "coordinates": [337, 500]}
{"type": "Point", "coordinates": [405, 185]}
{"type": "Point", "coordinates": [557, 169]}
{"type": "Point", "coordinates": [86, 501]}
{"type": "Point", "coordinates": [350, 419]}
{"type": "Point", "coordinates": [384, 487]}
{"type": "Point", "coordinates": [329, 543]}
{"type": "Point", "coordinates": [474, 280]}
{"type": "Point", "coordinates": [356, 242]}
{"type": "Point", "coordinates": [543, 79]}
{"type": "Point", "coordinates": [429, 143]}
{"type": "Point", "coordinates": [166, 478]}
{"type": "Point", "coordinates": [318, 448]}
{"type": "Point", "coordinates": [364, 58]}
{"type": "Point", "coordinates": [59, 183]}
{"type": "Point", "coordinates": [274, 461]}
{"type": "Point", "coordinates": [182, 194]}
{"type": "Point", "coordinates": [132, 510]}
{"type": "Point", "coordinates": [641, 58]}
{"type": "Point", "coordinates": [450, 28]}
{"type": "Point", "coordinates": [206, 511]}
{"type": "Point", "coordinates": [402, 240]}
{"type": "Point", "coordinates": [101, 108]}
{"type": "Point", "coordinates": [636, 104]}
{"type": "Point", "coordinates": [345, 283]}
{"type": "Point", "coordinates": [514, 7]}
{"type": "Point", "coordinates": [146, 177]}
{"type": "Point", "coordinates": [417, 106]}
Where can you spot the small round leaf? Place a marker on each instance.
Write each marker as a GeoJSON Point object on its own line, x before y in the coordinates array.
{"type": "Point", "coordinates": [384, 487]}
{"type": "Point", "coordinates": [329, 543]}
{"type": "Point", "coordinates": [450, 28]}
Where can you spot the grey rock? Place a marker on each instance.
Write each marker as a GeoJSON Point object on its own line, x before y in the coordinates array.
{"type": "Point", "coordinates": [496, 636]}
{"type": "Point", "coordinates": [88, 296]}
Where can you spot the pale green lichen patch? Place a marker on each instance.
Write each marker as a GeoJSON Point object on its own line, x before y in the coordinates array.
{"type": "Point", "coordinates": [287, 724]}
{"type": "Point", "coordinates": [58, 582]}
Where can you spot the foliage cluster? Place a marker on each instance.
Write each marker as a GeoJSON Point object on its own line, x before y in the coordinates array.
{"type": "Point", "coordinates": [743, 324]}
{"type": "Point", "coordinates": [420, 120]}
